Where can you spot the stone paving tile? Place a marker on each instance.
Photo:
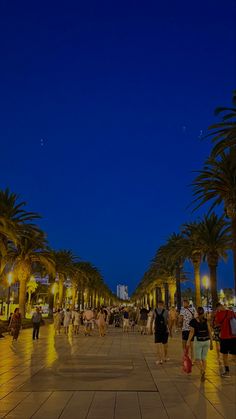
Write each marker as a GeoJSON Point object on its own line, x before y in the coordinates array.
{"type": "Point", "coordinates": [79, 405]}
{"type": "Point", "coordinates": [127, 406]}
{"type": "Point", "coordinates": [10, 402]}
{"type": "Point", "coordinates": [27, 407]}
{"type": "Point", "coordinates": [103, 406]}
{"type": "Point", "coordinates": [54, 405]}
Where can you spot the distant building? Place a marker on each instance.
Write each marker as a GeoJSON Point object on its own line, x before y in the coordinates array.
{"type": "Point", "coordinates": [122, 292]}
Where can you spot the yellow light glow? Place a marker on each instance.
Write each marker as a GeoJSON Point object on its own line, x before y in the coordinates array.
{"type": "Point", "coordinates": [54, 288]}
{"type": "Point", "coordinates": [10, 278]}
{"type": "Point", "coordinates": [205, 282]}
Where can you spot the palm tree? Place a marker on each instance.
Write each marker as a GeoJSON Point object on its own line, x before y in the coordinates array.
{"type": "Point", "coordinates": [175, 251]}
{"type": "Point", "coordinates": [215, 238]}
{"type": "Point", "coordinates": [224, 133]}
{"type": "Point", "coordinates": [30, 252]}
{"type": "Point", "coordinates": [65, 267]}
{"type": "Point", "coordinates": [216, 184]}
{"type": "Point", "coordinates": [194, 254]}
{"type": "Point", "coordinates": [12, 217]}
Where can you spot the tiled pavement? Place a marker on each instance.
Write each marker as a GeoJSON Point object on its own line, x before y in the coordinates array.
{"type": "Point", "coordinates": [113, 377]}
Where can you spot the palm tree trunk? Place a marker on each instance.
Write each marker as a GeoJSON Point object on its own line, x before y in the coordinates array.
{"type": "Point", "coordinates": [196, 265]}
{"type": "Point", "coordinates": [234, 250]}
{"type": "Point", "coordinates": [178, 287]}
{"type": "Point", "coordinates": [61, 290]}
{"type": "Point", "coordinates": [50, 304]}
{"type": "Point", "coordinates": [74, 292]}
{"type": "Point", "coordinates": [22, 293]}
{"type": "Point", "coordinates": [213, 284]}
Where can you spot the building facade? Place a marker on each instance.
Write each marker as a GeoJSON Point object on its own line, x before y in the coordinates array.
{"type": "Point", "coordinates": [122, 292]}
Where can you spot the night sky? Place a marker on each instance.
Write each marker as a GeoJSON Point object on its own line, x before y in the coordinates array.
{"type": "Point", "coordinates": [103, 106]}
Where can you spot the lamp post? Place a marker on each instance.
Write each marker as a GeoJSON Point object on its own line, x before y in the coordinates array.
{"type": "Point", "coordinates": [206, 283]}
{"type": "Point", "coordinates": [9, 281]}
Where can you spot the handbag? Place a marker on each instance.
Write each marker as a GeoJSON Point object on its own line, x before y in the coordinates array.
{"type": "Point", "coordinates": [187, 363]}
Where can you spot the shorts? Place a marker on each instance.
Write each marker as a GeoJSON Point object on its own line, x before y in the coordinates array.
{"type": "Point", "coordinates": [88, 324]}
{"type": "Point", "coordinates": [185, 335]}
{"type": "Point", "coordinates": [200, 349]}
{"type": "Point", "coordinates": [228, 346]}
{"type": "Point", "coordinates": [161, 338]}
{"type": "Point", "coordinates": [125, 322]}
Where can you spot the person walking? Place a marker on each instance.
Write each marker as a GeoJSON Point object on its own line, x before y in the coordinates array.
{"type": "Point", "coordinates": [200, 330]}
{"type": "Point", "coordinates": [161, 332]}
{"type": "Point", "coordinates": [101, 322]}
{"type": "Point", "coordinates": [36, 319]}
{"type": "Point", "coordinates": [57, 321]}
{"type": "Point", "coordinates": [15, 324]}
{"type": "Point", "coordinates": [125, 320]}
{"type": "Point", "coordinates": [76, 321]}
{"type": "Point", "coordinates": [172, 320]}
{"type": "Point", "coordinates": [149, 326]}
{"type": "Point", "coordinates": [187, 313]}
{"type": "Point", "coordinates": [143, 317]}
{"type": "Point", "coordinates": [88, 318]}
{"type": "Point", "coordinates": [216, 336]}
{"type": "Point", "coordinates": [223, 319]}
{"type": "Point", "coordinates": [66, 322]}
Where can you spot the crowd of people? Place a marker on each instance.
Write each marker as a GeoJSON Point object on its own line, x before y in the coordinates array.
{"type": "Point", "coordinates": [200, 330]}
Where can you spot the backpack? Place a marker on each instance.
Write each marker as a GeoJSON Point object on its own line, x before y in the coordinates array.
{"type": "Point", "coordinates": [201, 331]}
{"type": "Point", "coordinates": [160, 324]}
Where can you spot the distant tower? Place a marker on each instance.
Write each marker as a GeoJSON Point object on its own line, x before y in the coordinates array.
{"type": "Point", "coordinates": [122, 292]}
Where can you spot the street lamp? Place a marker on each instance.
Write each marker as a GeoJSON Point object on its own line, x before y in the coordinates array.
{"type": "Point", "coordinates": [9, 281]}
{"type": "Point", "coordinates": [206, 284]}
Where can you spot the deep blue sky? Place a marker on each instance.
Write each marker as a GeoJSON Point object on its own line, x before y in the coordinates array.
{"type": "Point", "coordinates": [120, 93]}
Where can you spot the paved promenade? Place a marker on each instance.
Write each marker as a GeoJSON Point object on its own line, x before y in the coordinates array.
{"type": "Point", "coordinates": [104, 378]}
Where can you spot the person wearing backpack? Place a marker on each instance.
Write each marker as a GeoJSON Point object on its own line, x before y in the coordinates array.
{"type": "Point", "coordinates": [226, 320]}
{"type": "Point", "coordinates": [201, 331]}
{"type": "Point", "coordinates": [161, 332]}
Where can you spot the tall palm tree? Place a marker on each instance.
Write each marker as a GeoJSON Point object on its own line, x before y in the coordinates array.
{"type": "Point", "coordinates": [194, 254]}
{"type": "Point", "coordinates": [216, 184]}
{"type": "Point", "coordinates": [175, 251]}
{"type": "Point", "coordinates": [215, 238]}
{"type": "Point", "coordinates": [12, 217]}
{"type": "Point", "coordinates": [224, 133]}
{"type": "Point", "coordinates": [30, 252]}
{"type": "Point", "coordinates": [65, 267]}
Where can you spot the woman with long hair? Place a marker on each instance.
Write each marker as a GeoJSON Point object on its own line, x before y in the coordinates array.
{"type": "Point", "coordinates": [15, 324]}
{"type": "Point", "coordinates": [201, 331]}
{"type": "Point", "coordinates": [101, 322]}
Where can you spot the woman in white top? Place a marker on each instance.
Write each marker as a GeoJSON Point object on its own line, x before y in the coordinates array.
{"type": "Point", "coordinates": [67, 318]}
{"type": "Point", "coordinates": [76, 323]}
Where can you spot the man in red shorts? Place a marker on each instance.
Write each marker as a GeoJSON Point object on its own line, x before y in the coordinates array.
{"type": "Point", "coordinates": [227, 339]}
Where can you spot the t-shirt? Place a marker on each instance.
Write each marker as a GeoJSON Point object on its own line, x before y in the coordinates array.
{"type": "Point", "coordinates": [165, 314]}
{"type": "Point", "coordinates": [222, 318]}
{"type": "Point", "coordinates": [143, 314]}
{"type": "Point", "coordinates": [200, 329]}
{"type": "Point", "coordinates": [188, 314]}
{"type": "Point", "coordinates": [37, 317]}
